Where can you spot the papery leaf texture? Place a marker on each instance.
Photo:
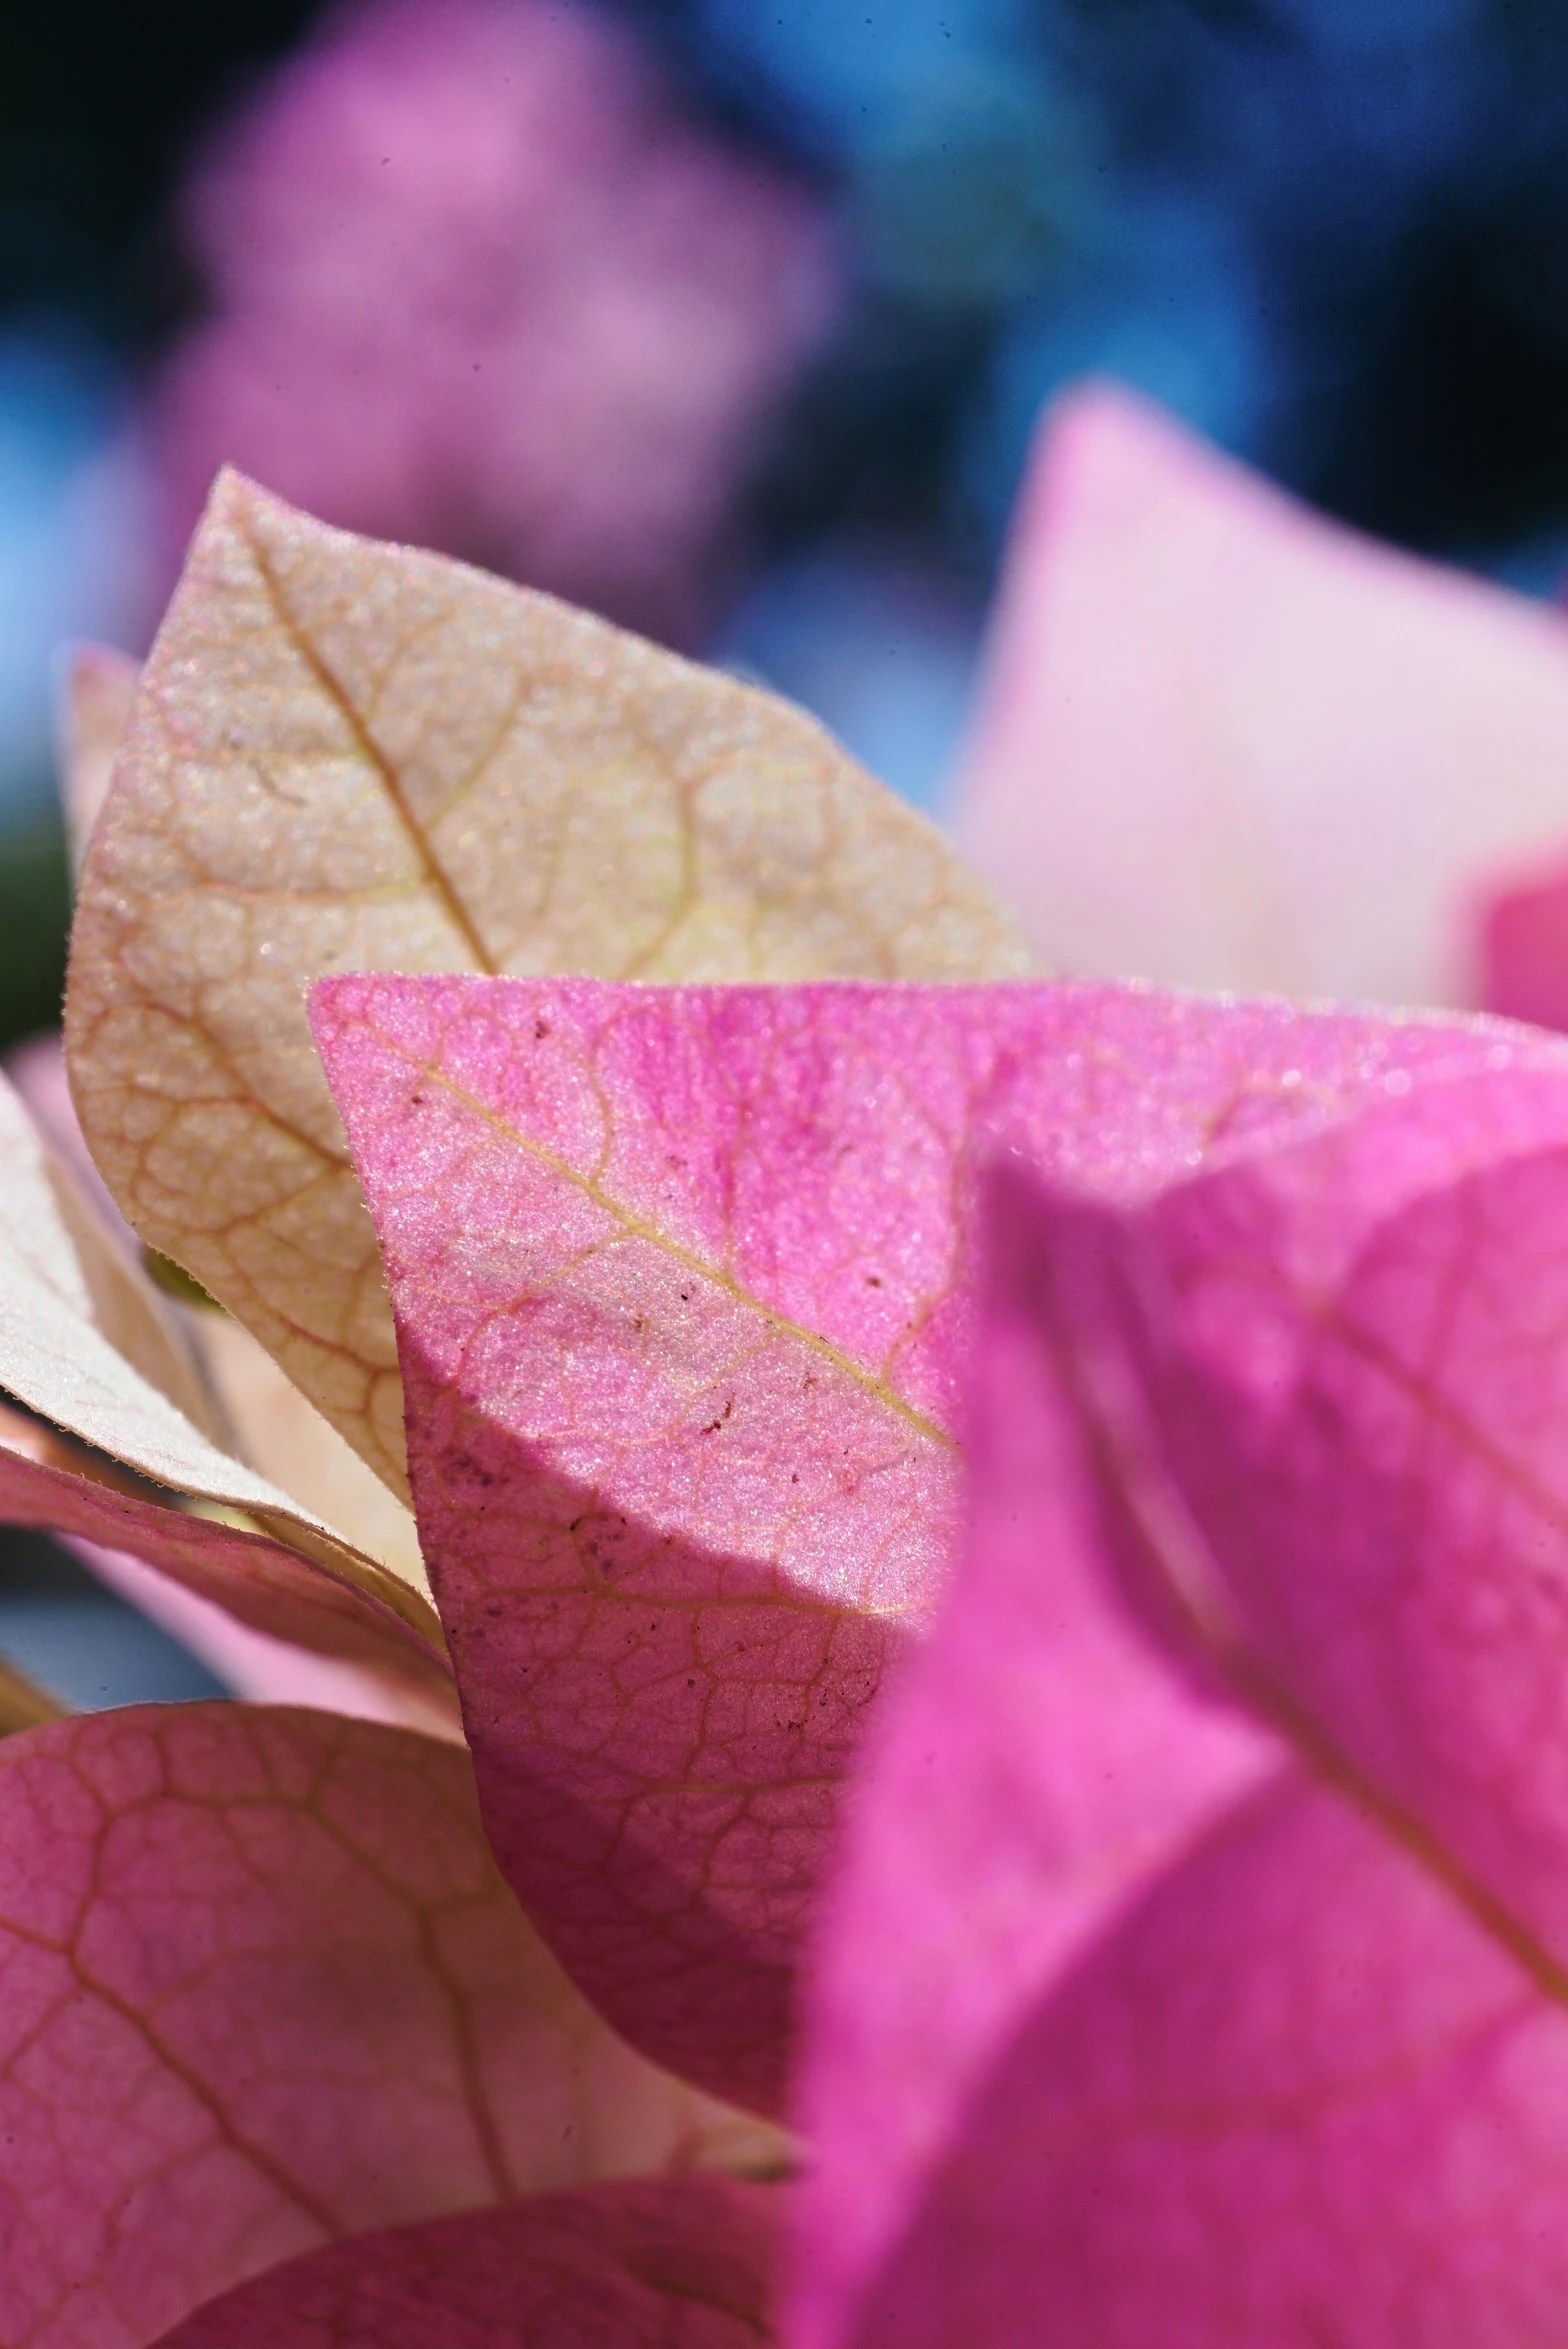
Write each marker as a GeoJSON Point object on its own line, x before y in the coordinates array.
{"type": "Point", "coordinates": [259, 1410]}
{"type": "Point", "coordinates": [1223, 742]}
{"type": "Point", "coordinates": [679, 2264]}
{"type": "Point", "coordinates": [89, 1347]}
{"type": "Point", "coordinates": [73, 1298]}
{"type": "Point", "coordinates": [292, 1445]}
{"type": "Point", "coordinates": [346, 755]}
{"type": "Point", "coordinates": [1219, 1808]}
{"type": "Point", "coordinates": [263, 1989]}
{"type": "Point", "coordinates": [275, 1625]}
{"type": "Point", "coordinates": [96, 693]}
{"type": "Point", "coordinates": [37, 1070]}
{"type": "Point", "coordinates": [684, 1313]}
{"type": "Point", "coordinates": [278, 1431]}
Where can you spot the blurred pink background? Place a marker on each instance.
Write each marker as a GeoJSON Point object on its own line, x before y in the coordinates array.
{"type": "Point", "coordinates": [477, 283]}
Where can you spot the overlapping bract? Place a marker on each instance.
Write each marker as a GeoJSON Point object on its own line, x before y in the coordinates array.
{"type": "Point", "coordinates": [684, 2264]}
{"type": "Point", "coordinates": [266, 825]}
{"type": "Point", "coordinates": [1192, 1971]}
{"type": "Point", "coordinates": [1223, 1805]}
{"type": "Point", "coordinates": [350, 756]}
{"type": "Point", "coordinates": [92, 1351]}
{"type": "Point", "coordinates": [263, 1989]}
{"type": "Point", "coordinates": [749, 843]}
{"type": "Point", "coordinates": [685, 1315]}
{"type": "Point", "coordinates": [1195, 1967]}
{"type": "Point", "coordinates": [263, 1584]}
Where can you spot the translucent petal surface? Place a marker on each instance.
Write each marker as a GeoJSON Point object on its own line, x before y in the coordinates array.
{"type": "Point", "coordinates": [259, 1410]}
{"type": "Point", "coordinates": [1345, 1359]}
{"type": "Point", "coordinates": [262, 1989]}
{"type": "Point", "coordinates": [684, 1318]}
{"type": "Point", "coordinates": [1295, 2096]}
{"type": "Point", "coordinates": [347, 755]}
{"type": "Point", "coordinates": [88, 1345]}
{"type": "Point", "coordinates": [287, 1439]}
{"type": "Point", "coordinates": [672, 2266]}
{"type": "Point", "coordinates": [1228, 744]}
{"type": "Point", "coordinates": [1125, 2029]}
{"type": "Point", "coordinates": [1038, 1762]}
{"type": "Point", "coordinates": [71, 1299]}
{"type": "Point", "coordinates": [37, 1070]}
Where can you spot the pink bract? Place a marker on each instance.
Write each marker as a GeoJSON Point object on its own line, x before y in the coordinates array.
{"type": "Point", "coordinates": [261, 1988]}
{"type": "Point", "coordinates": [654, 2265]}
{"type": "Point", "coordinates": [1223, 742]}
{"type": "Point", "coordinates": [1196, 1969]}
{"type": "Point", "coordinates": [479, 285]}
{"type": "Point", "coordinates": [684, 1318]}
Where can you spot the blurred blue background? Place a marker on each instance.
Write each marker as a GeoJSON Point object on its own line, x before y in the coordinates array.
{"type": "Point", "coordinates": [1331, 233]}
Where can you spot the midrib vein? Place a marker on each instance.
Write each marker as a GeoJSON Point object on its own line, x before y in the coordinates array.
{"type": "Point", "coordinates": [1195, 1584]}
{"type": "Point", "coordinates": [1451, 1421]}
{"type": "Point", "coordinates": [638, 1227]}
{"type": "Point", "coordinates": [457, 913]}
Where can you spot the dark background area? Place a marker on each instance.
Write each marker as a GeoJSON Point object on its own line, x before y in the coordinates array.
{"type": "Point", "coordinates": [1385, 184]}
{"type": "Point", "coordinates": [1332, 233]}
{"type": "Point", "coordinates": [98, 104]}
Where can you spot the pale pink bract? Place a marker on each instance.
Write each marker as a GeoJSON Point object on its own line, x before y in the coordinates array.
{"type": "Point", "coordinates": [1224, 742]}
{"type": "Point", "coordinates": [263, 1989]}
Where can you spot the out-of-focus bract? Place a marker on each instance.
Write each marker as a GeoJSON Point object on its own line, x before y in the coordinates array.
{"type": "Point", "coordinates": [478, 283]}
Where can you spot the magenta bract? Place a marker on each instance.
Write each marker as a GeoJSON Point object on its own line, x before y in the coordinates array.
{"type": "Point", "coordinates": [1196, 1970]}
